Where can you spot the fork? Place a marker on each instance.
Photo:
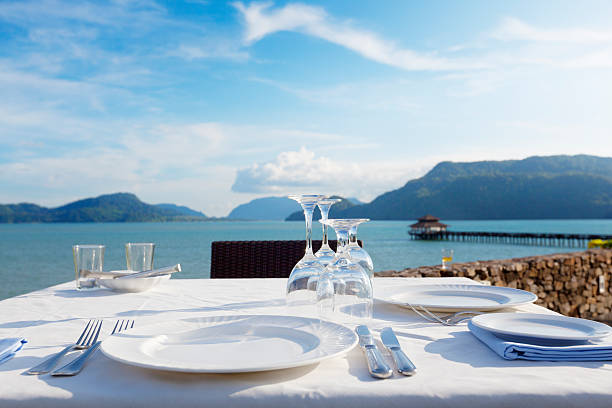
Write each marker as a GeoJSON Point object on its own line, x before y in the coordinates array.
{"type": "Point", "coordinates": [75, 366]}
{"type": "Point", "coordinates": [448, 320]}
{"type": "Point", "coordinates": [87, 338]}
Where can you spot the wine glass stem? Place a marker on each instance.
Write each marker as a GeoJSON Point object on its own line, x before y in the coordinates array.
{"type": "Point", "coordinates": [324, 214]}
{"type": "Point", "coordinates": [343, 239]}
{"type": "Point", "coordinates": [353, 236]}
{"type": "Point", "coordinates": [308, 218]}
{"type": "Point", "coordinates": [324, 235]}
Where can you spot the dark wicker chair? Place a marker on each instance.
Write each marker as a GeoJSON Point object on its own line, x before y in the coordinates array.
{"type": "Point", "coordinates": [258, 259]}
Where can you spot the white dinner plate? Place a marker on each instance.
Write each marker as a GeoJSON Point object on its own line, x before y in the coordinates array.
{"type": "Point", "coordinates": [455, 297]}
{"type": "Point", "coordinates": [537, 326]}
{"type": "Point", "coordinates": [230, 344]}
{"type": "Point", "coordinates": [132, 284]}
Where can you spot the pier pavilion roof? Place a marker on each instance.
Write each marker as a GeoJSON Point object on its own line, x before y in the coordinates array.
{"type": "Point", "coordinates": [429, 222]}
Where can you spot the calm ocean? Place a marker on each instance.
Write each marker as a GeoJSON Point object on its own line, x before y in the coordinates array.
{"type": "Point", "coordinates": [34, 256]}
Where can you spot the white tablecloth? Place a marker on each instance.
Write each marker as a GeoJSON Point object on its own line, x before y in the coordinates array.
{"type": "Point", "coordinates": [454, 368]}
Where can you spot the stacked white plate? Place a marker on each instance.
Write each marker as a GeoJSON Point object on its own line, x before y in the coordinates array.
{"type": "Point", "coordinates": [539, 328]}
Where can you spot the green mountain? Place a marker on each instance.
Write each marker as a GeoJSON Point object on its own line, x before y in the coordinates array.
{"type": "Point", "coordinates": [180, 209]}
{"type": "Point", "coordinates": [534, 188]}
{"type": "Point", "coordinates": [333, 211]}
{"type": "Point", "coordinates": [267, 208]}
{"type": "Point", "coordinates": [119, 207]}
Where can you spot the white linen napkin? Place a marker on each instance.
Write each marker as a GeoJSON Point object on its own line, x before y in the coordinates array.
{"type": "Point", "coordinates": [512, 350]}
{"type": "Point", "coordinates": [8, 347]}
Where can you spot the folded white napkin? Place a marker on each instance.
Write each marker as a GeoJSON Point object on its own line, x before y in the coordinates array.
{"type": "Point", "coordinates": [512, 350]}
{"type": "Point", "coordinates": [8, 347]}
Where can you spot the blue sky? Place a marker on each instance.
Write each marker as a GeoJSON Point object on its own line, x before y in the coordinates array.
{"type": "Point", "coordinates": [211, 104]}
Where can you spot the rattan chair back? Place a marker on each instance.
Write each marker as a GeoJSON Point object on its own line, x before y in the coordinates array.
{"type": "Point", "coordinates": [258, 259]}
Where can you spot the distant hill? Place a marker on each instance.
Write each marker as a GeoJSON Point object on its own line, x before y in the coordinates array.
{"type": "Point", "coordinates": [534, 188]}
{"type": "Point", "coordinates": [333, 211]}
{"type": "Point", "coordinates": [267, 208]}
{"type": "Point", "coordinates": [180, 209]}
{"type": "Point", "coordinates": [119, 207]}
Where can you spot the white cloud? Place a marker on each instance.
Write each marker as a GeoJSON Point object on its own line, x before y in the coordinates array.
{"type": "Point", "coordinates": [368, 94]}
{"type": "Point", "coordinates": [304, 171]}
{"type": "Point", "coordinates": [136, 13]}
{"type": "Point", "coordinates": [160, 163]}
{"type": "Point", "coordinates": [514, 29]}
{"type": "Point", "coordinates": [261, 20]}
{"type": "Point", "coordinates": [211, 50]}
{"type": "Point", "coordinates": [192, 164]}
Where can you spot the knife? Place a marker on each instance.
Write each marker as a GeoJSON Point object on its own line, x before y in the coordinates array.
{"type": "Point", "coordinates": [376, 363]}
{"type": "Point", "coordinates": [403, 363]}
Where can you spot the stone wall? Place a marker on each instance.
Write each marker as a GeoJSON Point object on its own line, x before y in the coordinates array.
{"type": "Point", "coordinates": [574, 284]}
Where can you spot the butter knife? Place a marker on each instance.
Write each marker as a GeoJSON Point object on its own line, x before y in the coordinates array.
{"type": "Point", "coordinates": [403, 363]}
{"type": "Point", "coordinates": [377, 366]}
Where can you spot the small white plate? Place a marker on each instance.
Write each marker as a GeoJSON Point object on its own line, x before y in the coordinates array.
{"type": "Point", "coordinates": [538, 326]}
{"type": "Point", "coordinates": [230, 344]}
{"type": "Point", "coordinates": [132, 284]}
{"type": "Point", "coordinates": [455, 297]}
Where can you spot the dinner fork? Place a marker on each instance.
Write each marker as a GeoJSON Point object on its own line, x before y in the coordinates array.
{"type": "Point", "coordinates": [90, 333]}
{"type": "Point", "coordinates": [448, 320]}
{"type": "Point", "coordinates": [75, 366]}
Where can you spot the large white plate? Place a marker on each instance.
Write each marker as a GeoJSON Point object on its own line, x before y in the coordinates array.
{"type": "Point", "coordinates": [455, 297]}
{"type": "Point", "coordinates": [537, 326]}
{"type": "Point", "coordinates": [230, 344]}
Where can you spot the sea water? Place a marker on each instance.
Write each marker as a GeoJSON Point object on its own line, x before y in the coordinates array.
{"type": "Point", "coordinates": [35, 256]}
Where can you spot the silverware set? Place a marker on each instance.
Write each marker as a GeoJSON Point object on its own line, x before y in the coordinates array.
{"type": "Point", "coordinates": [88, 341]}
{"type": "Point", "coordinates": [377, 366]}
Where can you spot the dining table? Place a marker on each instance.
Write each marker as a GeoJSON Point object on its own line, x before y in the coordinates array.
{"type": "Point", "coordinates": [454, 368]}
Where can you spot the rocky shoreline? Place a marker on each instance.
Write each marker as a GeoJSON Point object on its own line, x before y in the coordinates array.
{"type": "Point", "coordinates": [575, 284]}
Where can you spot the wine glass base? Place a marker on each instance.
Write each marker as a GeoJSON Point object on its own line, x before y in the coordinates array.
{"type": "Point", "coordinates": [302, 283]}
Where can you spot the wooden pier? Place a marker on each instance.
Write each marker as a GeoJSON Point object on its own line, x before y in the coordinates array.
{"type": "Point", "coordinates": [515, 238]}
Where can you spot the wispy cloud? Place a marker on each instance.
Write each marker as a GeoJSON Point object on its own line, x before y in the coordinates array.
{"type": "Point", "coordinates": [365, 95]}
{"type": "Point", "coordinates": [211, 50]}
{"type": "Point", "coordinates": [512, 29]}
{"type": "Point", "coordinates": [262, 20]}
{"type": "Point", "coordinates": [114, 13]}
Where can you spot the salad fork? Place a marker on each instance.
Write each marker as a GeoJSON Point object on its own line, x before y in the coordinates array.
{"type": "Point", "coordinates": [448, 320]}
{"type": "Point", "coordinates": [88, 336]}
{"type": "Point", "coordinates": [77, 364]}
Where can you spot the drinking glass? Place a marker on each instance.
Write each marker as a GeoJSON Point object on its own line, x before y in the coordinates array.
{"type": "Point", "coordinates": [447, 258]}
{"type": "Point", "coordinates": [344, 290]}
{"type": "Point", "coordinates": [359, 254]}
{"type": "Point", "coordinates": [139, 256]}
{"type": "Point", "coordinates": [87, 258]}
{"type": "Point", "coordinates": [325, 253]}
{"type": "Point", "coordinates": [303, 279]}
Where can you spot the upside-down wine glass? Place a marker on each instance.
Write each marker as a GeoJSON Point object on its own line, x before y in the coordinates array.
{"type": "Point", "coordinates": [325, 254]}
{"type": "Point", "coordinates": [359, 254]}
{"type": "Point", "coordinates": [344, 290]}
{"type": "Point", "coordinates": [302, 282]}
